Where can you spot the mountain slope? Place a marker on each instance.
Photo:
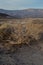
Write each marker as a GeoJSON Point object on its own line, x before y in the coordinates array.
{"type": "Point", "coordinates": [27, 13]}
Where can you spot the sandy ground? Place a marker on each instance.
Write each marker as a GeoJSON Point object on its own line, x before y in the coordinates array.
{"type": "Point", "coordinates": [26, 55]}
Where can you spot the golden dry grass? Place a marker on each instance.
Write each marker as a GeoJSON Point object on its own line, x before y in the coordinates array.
{"type": "Point", "coordinates": [20, 31]}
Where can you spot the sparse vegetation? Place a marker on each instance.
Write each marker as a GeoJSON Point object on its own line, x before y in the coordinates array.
{"type": "Point", "coordinates": [21, 39]}
{"type": "Point", "coordinates": [12, 34]}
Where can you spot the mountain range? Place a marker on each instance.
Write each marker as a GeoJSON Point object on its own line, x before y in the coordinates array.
{"type": "Point", "coordinates": [26, 13]}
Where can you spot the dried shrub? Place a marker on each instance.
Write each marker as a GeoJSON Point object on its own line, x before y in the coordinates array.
{"type": "Point", "coordinates": [5, 32]}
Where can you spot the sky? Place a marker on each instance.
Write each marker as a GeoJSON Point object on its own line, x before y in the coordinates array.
{"type": "Point", "coordinates": [20, 4]}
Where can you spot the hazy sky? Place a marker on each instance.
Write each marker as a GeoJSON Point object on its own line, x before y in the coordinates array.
{"type": "Point", "coordinates": [20, 4]}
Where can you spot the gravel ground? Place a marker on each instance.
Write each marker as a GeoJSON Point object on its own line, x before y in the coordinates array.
{"type": "Point", "coordinates": [32, 55]}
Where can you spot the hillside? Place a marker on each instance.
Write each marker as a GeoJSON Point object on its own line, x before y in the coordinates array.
{"type": "Point", "coordinates": [26, 13]}
{"type": "Point", "coordinates": [4, 15]}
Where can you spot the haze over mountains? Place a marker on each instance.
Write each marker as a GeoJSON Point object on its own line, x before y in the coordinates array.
{"type": "Point", "coordinates": [26, 13]}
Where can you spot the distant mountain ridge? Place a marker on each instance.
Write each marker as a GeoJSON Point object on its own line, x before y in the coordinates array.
{"type": "Point", "coordinates": [26, 13]}
{"type": "Point", "coordinates": [3, 15]}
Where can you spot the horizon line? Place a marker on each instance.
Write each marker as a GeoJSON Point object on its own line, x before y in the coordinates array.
{"type": "Point", "coordinates": [20, 9]}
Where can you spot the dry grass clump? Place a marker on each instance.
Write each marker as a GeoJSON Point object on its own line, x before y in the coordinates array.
{"type": "Point", "coordinates": [11, 35]}
{"type": "Point", "coordinates": [5, 32]}
{"type": "Point", "coordinates": [8, 36]}
{"type": "Point", "coordinates": [17, 34]}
